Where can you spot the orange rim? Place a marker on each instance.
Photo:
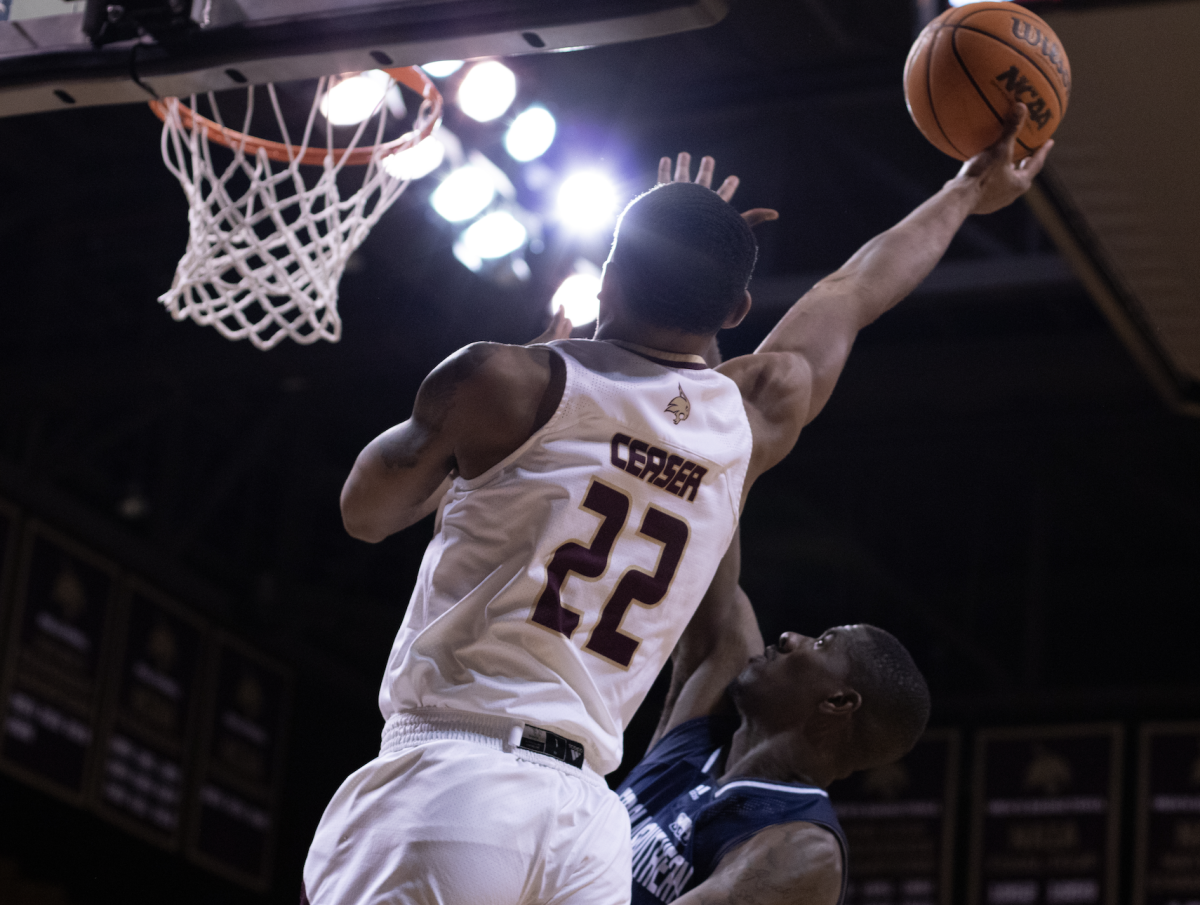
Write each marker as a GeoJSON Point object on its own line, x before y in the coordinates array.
{"type": "Point", "coordinates": [410, 76]}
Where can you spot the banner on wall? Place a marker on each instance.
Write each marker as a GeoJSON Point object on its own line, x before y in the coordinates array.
{"type": "Point", "coordinates": [899, 821]}
{"type": "Point", "coordinates": [148, 727]}
{"type": "Point", "coordinates": [233, 816]}
{"type": "Point", "coordinates": [1167, 870]}
{"type": "Point", "coordinates": [1045, 813]}
{"type": "Point", "coordinates": [54, 662]}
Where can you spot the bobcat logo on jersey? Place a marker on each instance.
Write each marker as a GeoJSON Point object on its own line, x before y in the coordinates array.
{"type": "Point", "coordinates": [680, 407]}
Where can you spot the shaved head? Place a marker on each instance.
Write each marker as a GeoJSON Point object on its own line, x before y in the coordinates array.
{"type": "Point", "coordinates": [682, 257]}
{"type": "Point", "coordinates": [895, 698]}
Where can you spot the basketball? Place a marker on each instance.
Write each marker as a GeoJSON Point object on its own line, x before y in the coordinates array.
{"type": "Point", "coordinates": [971, 64]}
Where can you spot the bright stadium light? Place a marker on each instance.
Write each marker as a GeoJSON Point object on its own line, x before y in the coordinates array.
{"type": "Point", "coordinates": [439, 69]}
{"type": "Point", "coordinates": [578, 297]}
{"type": "Point", "coordinates": [962, 2]}
{"type": "Point", "coordinates": [530, 134]}
{"type": "Point", "coordinates": [417, 161]}
{"type": "Point", "coordinates": [463, 194]}
{"type": "Point", "coordinates": [587, 201]}
{"type": "Point", "coordinates": [486, 91]}
{"type": "Point", "coordinates": [352, 100]}
{"type": "Point", "coordinates": [494, 236]}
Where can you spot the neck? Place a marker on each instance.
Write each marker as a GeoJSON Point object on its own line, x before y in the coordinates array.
{"type": "Point", "coordinates": [654, 337]}
{"type": "Point", "coordinates": [779, 756]}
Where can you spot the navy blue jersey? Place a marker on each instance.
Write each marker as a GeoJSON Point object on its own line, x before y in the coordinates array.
{"type": "Point", "coordinates": [684, 822]}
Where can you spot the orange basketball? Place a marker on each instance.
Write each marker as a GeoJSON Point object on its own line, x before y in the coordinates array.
{"type": "Point", "coordinates": [971, 64]}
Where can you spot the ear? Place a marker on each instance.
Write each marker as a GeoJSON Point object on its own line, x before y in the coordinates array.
{"type": "Point", "coordinates": [739, 313]}
{"type": "Point", "coordinates": [609, 294]}
{"type": "Point", "coordinates": [841, 703]}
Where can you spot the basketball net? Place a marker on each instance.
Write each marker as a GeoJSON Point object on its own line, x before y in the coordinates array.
{"type": "Point", "coordinates": [269, 233]}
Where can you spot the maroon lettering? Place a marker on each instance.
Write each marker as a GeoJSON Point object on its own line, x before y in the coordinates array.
{"type": "Point", "coordinates": [607, 639]}
{"type": "Point", "coordinates": [618, 441]}
{"type": "Point", "coordinates": [654, 465]}
{"type": "Point", "coordinates": [693, 481]}
{"type": "Point", "coordinates": [676, 485]}
{"type": "Point", "coordinates": [657, 458]}
{"type": "Point", "coordinates": [637, 457]}
{"type": "Point", "coordinates": [669, 472]}
{"type": "Point", "coordinates": [589, 562]}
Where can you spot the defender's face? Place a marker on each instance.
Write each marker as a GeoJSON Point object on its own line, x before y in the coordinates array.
{"type": "Point", "coordinates": [792, 676]}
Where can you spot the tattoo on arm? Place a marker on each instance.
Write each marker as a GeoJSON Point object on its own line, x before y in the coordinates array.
{"type": "Point", "coordinates": [434, 403]}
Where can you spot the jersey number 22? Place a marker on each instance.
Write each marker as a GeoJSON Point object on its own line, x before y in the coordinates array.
{"type": "Point", "coordinates": [607, 640]}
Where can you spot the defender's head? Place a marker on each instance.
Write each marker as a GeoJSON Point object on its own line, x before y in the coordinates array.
{"type": "Point", "coordinates": [681, 259]}
{"type": "Point", "coordinates": [854, 694]}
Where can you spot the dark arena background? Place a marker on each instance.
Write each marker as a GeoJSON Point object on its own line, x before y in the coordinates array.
{"type": "Point", "coordinates": [1007, 476]}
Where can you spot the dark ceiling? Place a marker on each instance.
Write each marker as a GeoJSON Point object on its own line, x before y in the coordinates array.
{"type": "Point", "coordinates": [994, 480]}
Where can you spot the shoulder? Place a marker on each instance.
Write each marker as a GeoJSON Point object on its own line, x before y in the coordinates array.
{"type": "Point", "coordinates": [764, 377]}
{"type": "Point", "coordinates": [699, 736]}
{"type": "Point", "coordinates": [486, 373]}
{"type": "Point", "coordinates": [788, 862]}
{"type": "Point", "coordinates": [777, 389]}
{"type": "Point", "coordinates": [491, 362]}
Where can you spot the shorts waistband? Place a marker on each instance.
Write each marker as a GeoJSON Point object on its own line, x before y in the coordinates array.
{"type": "Point", "coordinates": [516, 737]}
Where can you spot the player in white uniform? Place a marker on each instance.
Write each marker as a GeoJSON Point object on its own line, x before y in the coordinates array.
{"type": "Point", "coordinates": [591, 488]}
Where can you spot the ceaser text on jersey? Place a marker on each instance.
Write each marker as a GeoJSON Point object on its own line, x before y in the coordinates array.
{"type": "Point", "coordinates": [671, 472]}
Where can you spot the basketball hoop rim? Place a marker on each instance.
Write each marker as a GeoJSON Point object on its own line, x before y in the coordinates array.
{"type": "Point", "coordinates": [412, 77]}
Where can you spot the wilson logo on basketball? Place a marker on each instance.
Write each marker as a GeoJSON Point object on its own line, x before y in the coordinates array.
{"type": "Point", "coordinates": [1016, 84]}
{"type": "Point", "coordinates": [1026, 31]}
{"type": "Point", "coordinates": [679, 406]}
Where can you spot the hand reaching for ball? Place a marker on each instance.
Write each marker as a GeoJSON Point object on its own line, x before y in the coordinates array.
{"type": "Point", "coordinates": [1001, 181]}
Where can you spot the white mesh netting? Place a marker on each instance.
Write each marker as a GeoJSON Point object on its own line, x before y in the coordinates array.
{"type": "Point", "coordinates": [268, 239]}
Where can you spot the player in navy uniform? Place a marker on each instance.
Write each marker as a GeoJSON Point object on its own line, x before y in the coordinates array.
{"type": "Point", "coordinates": [729, 804]}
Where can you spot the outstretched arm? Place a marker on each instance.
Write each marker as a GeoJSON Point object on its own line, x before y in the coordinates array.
{"type": "Point", "coordinates": [788, 380]}
{"type": "Point", "coordinates": [719, 640]}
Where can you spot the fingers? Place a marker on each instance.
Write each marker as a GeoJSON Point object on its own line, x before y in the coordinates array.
{"type": "Point", "coordinates": [561, 326]}
{"type": "Point", "coordinates": [704, 177]}
{"type": "Point", "coordinates": [1033, 165]}
{"type": "Point", "coordinates": [757, 215]}
{"type": "Point", "coordinates": [683, 167]}
{"type": "Point", "coordinates": [1013, 123]}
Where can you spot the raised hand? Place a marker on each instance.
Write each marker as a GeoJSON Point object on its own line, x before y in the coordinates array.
{"type": "Point", "coordinates": [1001, 182]}
{"type": "Point", "coordinates": [560, 328]}
{"type": "Point", "coordinates": [704, 177]}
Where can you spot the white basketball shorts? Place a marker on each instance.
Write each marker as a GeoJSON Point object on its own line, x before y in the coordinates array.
{"type": "Point", "coordinates": [452, 822]}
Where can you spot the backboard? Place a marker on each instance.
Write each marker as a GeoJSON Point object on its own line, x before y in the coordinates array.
{"type": "Point", "coordinates": [48, 62]}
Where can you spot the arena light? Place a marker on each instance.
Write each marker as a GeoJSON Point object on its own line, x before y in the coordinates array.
{"type": "Point", "coordinates": [439, 69]}
{"type": "Point", "coordinates": [530, 134]}
{"type": "Point", "coordinates": [352, 100]}
{"type": "Point", "coordinates": [486, 91]}
{"type": "Point", "coordinates": [587, 201]}
{"type": "Point", "coordinates": [578, 297]}
{"type": "Point", "coordinates": [416, 162]}
{"type": "Point", "coordinates": [463, 194]}
{"type": "Point", "coordinates": [963, 2]}
{"type": "Point", "coordinates": [494, 236]}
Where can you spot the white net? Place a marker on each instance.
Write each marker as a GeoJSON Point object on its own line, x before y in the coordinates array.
{"type": "Point", "coordinates": [269, 233]}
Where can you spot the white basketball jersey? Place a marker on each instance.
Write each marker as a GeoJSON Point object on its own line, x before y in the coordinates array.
{"type": "Point", "coordinates": [558, 582]}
